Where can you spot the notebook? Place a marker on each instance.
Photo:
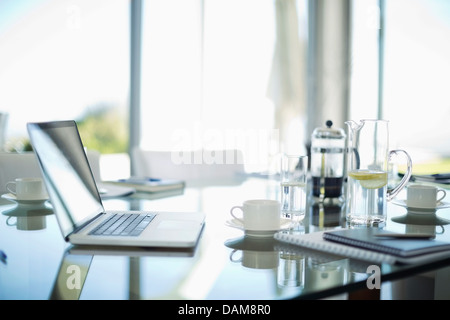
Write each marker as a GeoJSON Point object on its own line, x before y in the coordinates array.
{"type": "Point", "coordinates": [362, 244]}
{"type": "Point", "coordinates": [150, 185]}
{"type": "Point", "coordinates": [437, 178]}
{"type": "Point", "coordinates": [318, 258]}
{"type": "Point", "coordinates": [78, 206]}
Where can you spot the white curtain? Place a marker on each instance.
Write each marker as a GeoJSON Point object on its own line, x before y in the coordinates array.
{"type": "Point", "coordinates": [287, 87]}
{"type": "Point", "coordinates": [3, 123]}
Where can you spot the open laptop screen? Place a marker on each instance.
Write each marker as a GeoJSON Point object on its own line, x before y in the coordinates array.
{"type": "Point", "coordinates": [66, 172]}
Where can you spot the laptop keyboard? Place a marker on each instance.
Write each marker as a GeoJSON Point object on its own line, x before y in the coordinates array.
{"type": "Point", "coordinates": [123, 224]}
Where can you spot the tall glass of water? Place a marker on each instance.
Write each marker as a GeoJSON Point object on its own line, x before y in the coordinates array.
{"type": "Point", "coordinates": [293, 182]}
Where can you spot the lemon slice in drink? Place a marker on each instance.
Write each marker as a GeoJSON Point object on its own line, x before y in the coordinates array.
{"type": "Point", "coordinates": [370, 179]}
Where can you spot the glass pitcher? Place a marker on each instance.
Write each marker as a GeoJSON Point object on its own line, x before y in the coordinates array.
{"type": "Point", "coordinates": [368, 156]}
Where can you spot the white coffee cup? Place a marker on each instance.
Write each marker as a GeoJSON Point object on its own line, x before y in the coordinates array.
{"type": "Point", "coordinates": [424, 196]}
{"type": "Point", "coordinates": [259, 214]}
{"type": "Point", "coordinates": [27, 189]}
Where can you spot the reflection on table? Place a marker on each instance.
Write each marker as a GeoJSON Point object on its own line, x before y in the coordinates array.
{"type": "Point", "coordinates": [29, 215]}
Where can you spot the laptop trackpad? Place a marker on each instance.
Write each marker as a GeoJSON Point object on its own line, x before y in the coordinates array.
{"type": "Point", "coordinates": [173, 224]}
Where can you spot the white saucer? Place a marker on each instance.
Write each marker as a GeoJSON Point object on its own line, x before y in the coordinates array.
{"type": "Point", "coordinates": [234, 223]}
{"type": "Point", "coordinates": [11, 197]}
{"type": "Point", "coordinates": [440, 205]}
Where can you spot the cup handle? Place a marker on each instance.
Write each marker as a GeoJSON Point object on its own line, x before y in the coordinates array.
{"type": "Point", "coordinates": [392, 193]}
{"type": "Point", "coordinates": [444, 193]}
{"type": "Point", "coordinates": [232, 255]}
{"type": "Point", "coordinates": [442, 229]}
{"type": "Point", "coordinates": [9, 223]}
{"type": "Point", "coordinates": [11, 183]}
{"type": "Point", "coordinates": [237, 218]}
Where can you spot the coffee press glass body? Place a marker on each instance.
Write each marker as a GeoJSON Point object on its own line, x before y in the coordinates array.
{"type": "Point", "coordinates": [327, 161]}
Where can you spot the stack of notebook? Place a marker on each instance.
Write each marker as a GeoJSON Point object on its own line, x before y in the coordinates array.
{"type": "Point", "coordinates": [370, 244]}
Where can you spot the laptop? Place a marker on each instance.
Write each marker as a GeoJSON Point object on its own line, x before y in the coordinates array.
{"type": "Point", "coordinates": [78, 206]}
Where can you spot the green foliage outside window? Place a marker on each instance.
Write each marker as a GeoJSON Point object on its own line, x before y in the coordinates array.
{"type": "Point", "coordinates": [104, 129]}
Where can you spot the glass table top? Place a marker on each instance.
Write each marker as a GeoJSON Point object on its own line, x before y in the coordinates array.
{"type": "Point", "coordinates": [227, 263]}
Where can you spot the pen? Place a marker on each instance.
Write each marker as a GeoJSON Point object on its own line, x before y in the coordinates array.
{"type": "Point", "coordinates": [405, 235]}
{"type": "Point", "coordinates": [139, 180]}
{"type": "Point", "coordinates": [3, 256]}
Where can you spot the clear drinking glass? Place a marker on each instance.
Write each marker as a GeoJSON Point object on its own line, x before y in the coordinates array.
{"type": "Point", "coordinates": [293, 181]}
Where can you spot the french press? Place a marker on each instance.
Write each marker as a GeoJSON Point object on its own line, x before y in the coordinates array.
{"type": "Point", "coordinates": [327, 161]}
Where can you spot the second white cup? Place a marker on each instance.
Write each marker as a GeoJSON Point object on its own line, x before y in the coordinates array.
{"type": "Point", "coordinates": [424, 196]}
{"type": "Point", "coordinates": [27, 189]}
{"type": "Point", "coordinates": [259, 214]}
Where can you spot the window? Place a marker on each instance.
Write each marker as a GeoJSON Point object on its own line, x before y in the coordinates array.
{"type": "Point", "coordinates": [414, 71]}
{"type": "Point", "coordinates": [207, 68]}
{"type": "Point", "coordinates": [417, 70]}
{"type": "Point", "coordinates": [66, 59]}
{"type": "Point", "coordinates": [364, 65]}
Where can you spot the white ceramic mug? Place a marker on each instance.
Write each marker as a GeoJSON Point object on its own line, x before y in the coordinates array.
{"type": "Point", "coordinates": [259, 214]}
{"type": "Point", "coordinates": [27, 189]}
{"type": "Point", "coordinates": [424, 196]}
